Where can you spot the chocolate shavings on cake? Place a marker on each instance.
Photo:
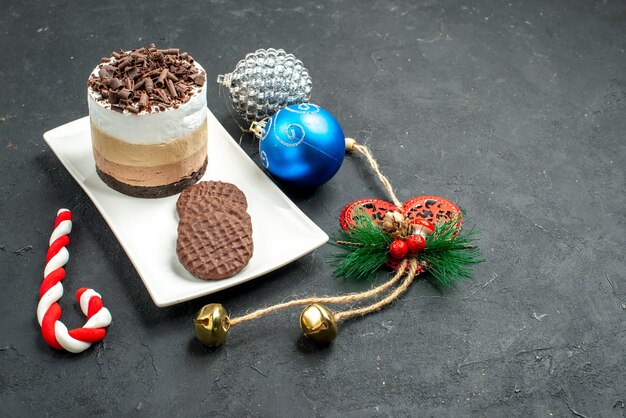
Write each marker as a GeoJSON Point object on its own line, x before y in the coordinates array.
{"type": "Point", "coordinates": [147, 79]}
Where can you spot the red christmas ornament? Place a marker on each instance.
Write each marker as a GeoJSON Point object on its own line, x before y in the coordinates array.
{"type": "Point", "coordinates": [398, 249]}
{"type": "Point", "coordinates": [416, 243]}
{"type": "Point", "coordinates": [434, 209]}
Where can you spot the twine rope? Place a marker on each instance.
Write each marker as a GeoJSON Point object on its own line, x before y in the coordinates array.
{"type": "Point", "coordinates": [354, 297]}
{"type": "Point", "coordinates": [392, 297]}
{"type": "Point", "coordinates": [352, 145]}
{"type": "Point", "coordinates": [374, 166]}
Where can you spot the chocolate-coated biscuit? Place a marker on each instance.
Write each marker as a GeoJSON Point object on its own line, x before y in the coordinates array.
{"type": "Point", "coordinates": [193, 213]}
{"type": "Point", "coordinates": [217, 192]}
{"type": "Point", "coordinates": [201, 207]}
{"type": "Point", "coordinates": [214, 246]}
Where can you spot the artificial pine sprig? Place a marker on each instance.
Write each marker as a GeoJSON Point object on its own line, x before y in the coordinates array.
{"type": "Point", "coordinates": [448, 255]}
{"type": "Point", "coordinates": [366, 246]}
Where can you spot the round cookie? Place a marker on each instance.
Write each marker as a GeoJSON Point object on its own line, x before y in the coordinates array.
{"type": "Point", "coordinates": [217, 192]}
{"type": "Point", "coordinates": [203, 206]}
{"type": "Point", "coordinates": [214, 246]}
{"type": "Point", "coordinates": [193, 214]}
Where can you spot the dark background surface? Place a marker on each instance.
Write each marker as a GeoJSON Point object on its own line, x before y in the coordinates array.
{"type": "Point", "coordinates": [515, 110]}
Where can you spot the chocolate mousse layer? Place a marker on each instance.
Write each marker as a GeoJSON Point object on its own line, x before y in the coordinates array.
{"type": "Point", "coordinates": [155, 191]}
{"type": "Point", "coordinates": [148, 165]}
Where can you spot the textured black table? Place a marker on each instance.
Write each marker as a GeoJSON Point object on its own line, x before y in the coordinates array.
{"type": "Point", "coordinates": [513, 109]}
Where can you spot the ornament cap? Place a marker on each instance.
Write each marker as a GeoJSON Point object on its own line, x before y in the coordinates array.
{"type": "Point", "coordinates": [318, 324]}
{"type": "Point", "coordinates": [350, 144]}
{"type": "Point", "coordinates": [258, 128]}
{"type": "Point", "coordinates": [225, 79]}
{"type": "Point", "coordinates": [211, 324]}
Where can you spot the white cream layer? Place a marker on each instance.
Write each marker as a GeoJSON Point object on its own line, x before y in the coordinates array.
{"type": "Point", "coordinates": [149, 127]}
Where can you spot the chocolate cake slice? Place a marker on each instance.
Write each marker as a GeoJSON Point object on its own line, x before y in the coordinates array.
{"type": "Point", "coordinates": [148, 116]}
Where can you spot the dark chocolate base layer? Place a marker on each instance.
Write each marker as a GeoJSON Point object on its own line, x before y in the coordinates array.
{"type": "Point", "coordinates": [155, 191]}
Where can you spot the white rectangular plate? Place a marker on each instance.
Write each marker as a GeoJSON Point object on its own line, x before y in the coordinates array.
{"type": "Point", "coordinates": [146, 228]}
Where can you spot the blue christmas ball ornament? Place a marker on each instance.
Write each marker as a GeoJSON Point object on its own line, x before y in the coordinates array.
{"type": "Point", "coordinates": [302, 145]}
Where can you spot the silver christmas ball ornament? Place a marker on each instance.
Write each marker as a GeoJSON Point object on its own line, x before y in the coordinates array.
{"type": "Point", "coordinates": [266, 81]}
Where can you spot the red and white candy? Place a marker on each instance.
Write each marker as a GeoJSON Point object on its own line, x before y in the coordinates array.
{"type": "Point", "coordinates": [54, 332]}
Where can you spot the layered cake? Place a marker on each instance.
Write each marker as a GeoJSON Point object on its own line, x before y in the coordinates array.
{"type": "Point", "coordinates": [148, 116]}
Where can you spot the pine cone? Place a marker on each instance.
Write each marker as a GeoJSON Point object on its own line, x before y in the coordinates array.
{"type": "Point", "coordinates": [396, 224]}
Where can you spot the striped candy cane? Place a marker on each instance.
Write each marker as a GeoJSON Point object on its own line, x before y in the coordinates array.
{"type": "Point", "coordinates": [54, 332]}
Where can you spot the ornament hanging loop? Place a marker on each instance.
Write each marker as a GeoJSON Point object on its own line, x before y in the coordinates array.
{"type": "Point", "coordinates": [352, 146]}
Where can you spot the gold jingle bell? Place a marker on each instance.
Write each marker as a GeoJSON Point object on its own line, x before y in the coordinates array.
{"type": "Point", "coordinates": [211, 324]}
{"type": "Point", "coordinates": [318, 324]}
